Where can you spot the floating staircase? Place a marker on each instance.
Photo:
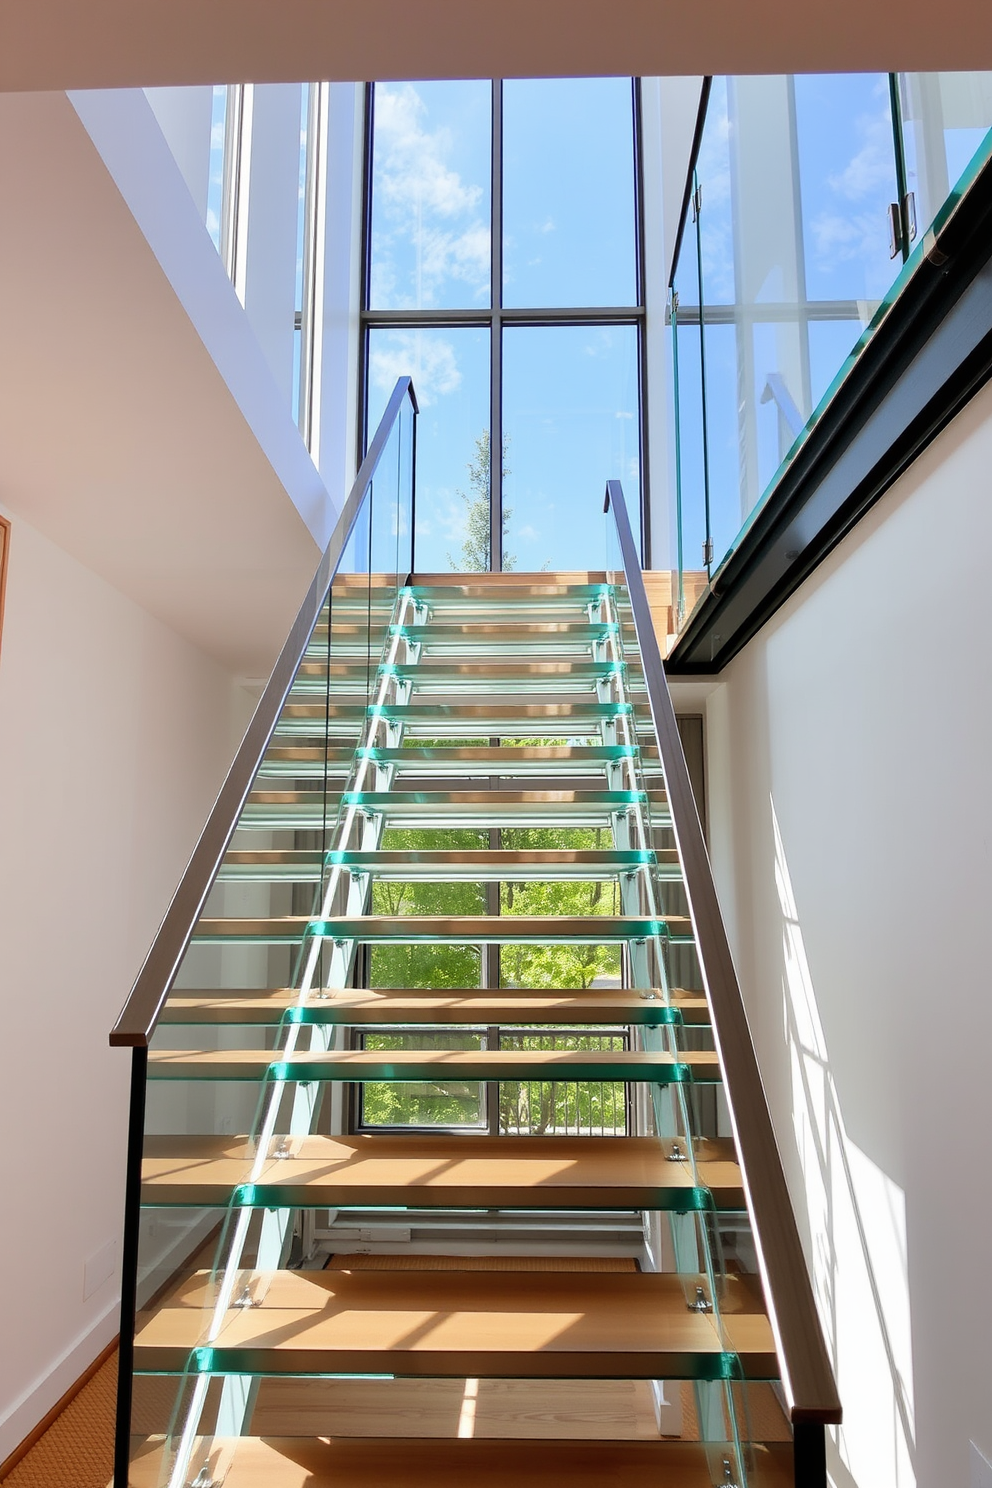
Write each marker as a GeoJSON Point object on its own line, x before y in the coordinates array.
{"type": "Point", "coordinates": [430, 1105]}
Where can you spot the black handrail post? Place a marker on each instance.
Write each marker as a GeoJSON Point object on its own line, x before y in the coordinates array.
{"type": "Point", "coordinates": [129, 1265]}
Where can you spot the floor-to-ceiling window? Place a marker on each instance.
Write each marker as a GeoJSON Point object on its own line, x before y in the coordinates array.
{"type": "Point", "coordinates": [502, 270]}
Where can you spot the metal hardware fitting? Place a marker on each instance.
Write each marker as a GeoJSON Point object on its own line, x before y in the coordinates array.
{"type": "Point", "coordinates": [700, 1303]}
{"type": "Point", "coordinates": [203, 1480]}
{"type": "Point", "coordinates": [243, 1299]}
{"type": "Point", "coordinates": [676, 1154]}
{"type": "Point", "coordinates": [284, 1149]}
{"type": "Point", "coordinates": [708, 552]}
{"type": "Point", "coordinates": [647, 996]}
{"type": "Point", "coordinates": [728, 1480]}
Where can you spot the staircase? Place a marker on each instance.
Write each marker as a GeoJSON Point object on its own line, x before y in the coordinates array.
{"type": "Point", "coordinates": [434, 1177]}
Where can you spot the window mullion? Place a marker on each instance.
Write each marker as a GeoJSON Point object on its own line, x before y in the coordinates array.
{"type": "Point", "coordinates": [496, 337]}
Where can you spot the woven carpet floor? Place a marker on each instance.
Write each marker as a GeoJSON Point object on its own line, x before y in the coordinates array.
{"type": "Point", "coordinates": [77, 1450]}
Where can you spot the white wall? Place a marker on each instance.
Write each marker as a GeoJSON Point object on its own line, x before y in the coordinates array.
{"type": "Point", "coordinates": [115, 735]}
{"type": "Point", "coordinates": [849, 752]}
{"type": "Point", "coordinates": [183, 116]}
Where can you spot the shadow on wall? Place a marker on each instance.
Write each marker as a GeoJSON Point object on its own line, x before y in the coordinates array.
{"type": "Point", "coordinates": [856, 1218]}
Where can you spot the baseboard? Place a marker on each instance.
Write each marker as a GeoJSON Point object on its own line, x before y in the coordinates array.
{"type": "Point", "coordinates": [34, 1412]}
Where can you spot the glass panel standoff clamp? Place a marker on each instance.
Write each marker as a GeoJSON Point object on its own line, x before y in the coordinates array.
{"type": "Point", "coordinates": [677, 1155]}
{"type": "Point", "coordinates": [700, 1302]}
{"type": "Point", "coordinates": [728, 1480]}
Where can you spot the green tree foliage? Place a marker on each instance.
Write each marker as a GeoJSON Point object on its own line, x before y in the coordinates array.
{"type": "Point", "coordinates": [427, 1102]}
{"type": "Point", "coordinates": [427, 965]}
{"type": "Point", "coordinates": [540, 1107]}
{"type": "Point", "coordinates": [475, 547]}
{"type": "Point", "coordinates": [558, 966]}
{"type": "Point", "coordinates": [524, 1106]}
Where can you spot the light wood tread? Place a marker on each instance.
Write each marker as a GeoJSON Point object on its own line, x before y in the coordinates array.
{"type": "Point", "coordinates": [491, 760]}
{"type": "Point", "coordinates": [432, 667]}
{"type": "Point", "coordinates": [416, 1462]}
{"type": "Point", "coordinates": [427, 1171]}
{"type": "Point", "coordinates": [440, 710]}
{"type": "Point", "coordinates": [434, 1064]}
{"type": "Point", "coordinates": [621, 1410]}
{"type": "Point", "coordinates": [506, 860]}
{"type": "Point", "coordinates": [466, 1005]}
{"type": "Point", "coordinates": [382, 800]}
{"type": "Point", "coordinates": [449, 929]}
{"type": "Point", "coordinates": [465, 1324]}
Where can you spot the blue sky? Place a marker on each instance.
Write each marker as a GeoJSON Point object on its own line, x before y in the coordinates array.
{"type": "Point", "coordinates": [844, 161]}
{"type": "Point", "coordinates": [570, 393]}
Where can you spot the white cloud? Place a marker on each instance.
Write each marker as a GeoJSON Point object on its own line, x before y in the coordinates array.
{"type": "Point", "coordinates": [870, 170]}
{"type": "Point", "coordinates": [424, 205]}
{"type": "Point", "coordinates": [413, 170]}
{"type": "Point", "coordinates": [846, 239]}
{"type": "Point", "coordinates": [871, 167]}
{"type": "Point", "coordinates": [431, 363]}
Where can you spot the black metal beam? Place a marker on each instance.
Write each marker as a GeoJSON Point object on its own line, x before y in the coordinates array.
{"type": "Point", "coordinates": [929, 355]}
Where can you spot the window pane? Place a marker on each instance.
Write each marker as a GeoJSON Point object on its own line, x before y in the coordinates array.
{"type": "Point", "coordinates": [946, 116]}
{"type": "Point", "coordinates": [716, 223]}
{"type": "Point", "coordinates": [570, 414]}
{"type": "Point", "coordinates": [450, 371]}
{"type": "Point", "coordinates": [431, 167]}
{"type": "Point", "coordinates": [847, 176]}
{"type": "Point", "coordinates": [215, 182]}
{"type": "Point", "coordinates": [568, 192]}
{"type": "Point", "coordinates": [425, 1103]}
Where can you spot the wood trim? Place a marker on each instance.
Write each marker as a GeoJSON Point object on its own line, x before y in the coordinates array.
{"type": "Point", "coordinates": [37, 1432]}
{"type": "Point", "coordinates": [4, 550]}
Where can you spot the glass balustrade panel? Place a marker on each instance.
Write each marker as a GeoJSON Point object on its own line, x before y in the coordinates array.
{"type": "Point", "coordinates": [223, 1102]}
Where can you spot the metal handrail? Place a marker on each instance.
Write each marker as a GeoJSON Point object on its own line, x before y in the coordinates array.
{"type": "Point", "coordinates": [694, 148]}
{"type": "Point", "coordinates": [807, 1376]}
{"type": "Point", "coordinates": [140, 1013]}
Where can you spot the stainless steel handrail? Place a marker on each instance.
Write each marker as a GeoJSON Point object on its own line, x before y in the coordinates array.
{"type": "Point", "coordinates": [807, 1376]}
{"type": "Point", "coordinates": [140, 1013]}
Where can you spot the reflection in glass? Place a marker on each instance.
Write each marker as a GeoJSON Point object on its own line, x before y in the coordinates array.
{"type": "Point", "coordinates": [431, 196]}
{"type": "Point", "coordinates": [568, 192]}
{"type": "Point", "coordinates": [716, 225]}
{"type": "Point", "coordinates": [848, 178]}
{"type": "Point", "coordinates": [450, 371]}
{"type": "Point", "coordinates": [784, 262]}
{"type": "Point", "coordinates": [571, 421]}
{"type": "Point", "coordinates": [945, 118]}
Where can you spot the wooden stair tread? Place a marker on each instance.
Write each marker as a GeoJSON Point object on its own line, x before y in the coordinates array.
{"type": "Point", "coordinates": [460, 929]}
{"type": "Point", "coordinates": [429, 1171]}
{"type": "Point", "coordinates": [435, 1064]}
{"type": "Point", "coordinates": [462, 1323]}
{"type": "Point", "coordinates": [620, 1410]}
{"type": "Point", "coordinates": [381, 799]}
{"type": "Point", "coordinates": [466, 1005]}
{"type": "Point", "coordinates": [412, 1462]}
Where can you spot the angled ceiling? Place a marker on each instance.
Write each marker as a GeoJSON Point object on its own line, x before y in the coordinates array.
{"type": "Point", "coordinates": [120, 43]}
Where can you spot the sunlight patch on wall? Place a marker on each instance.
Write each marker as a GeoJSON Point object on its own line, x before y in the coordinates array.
{"type": "Point", "coordinates": [856, 1218]}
